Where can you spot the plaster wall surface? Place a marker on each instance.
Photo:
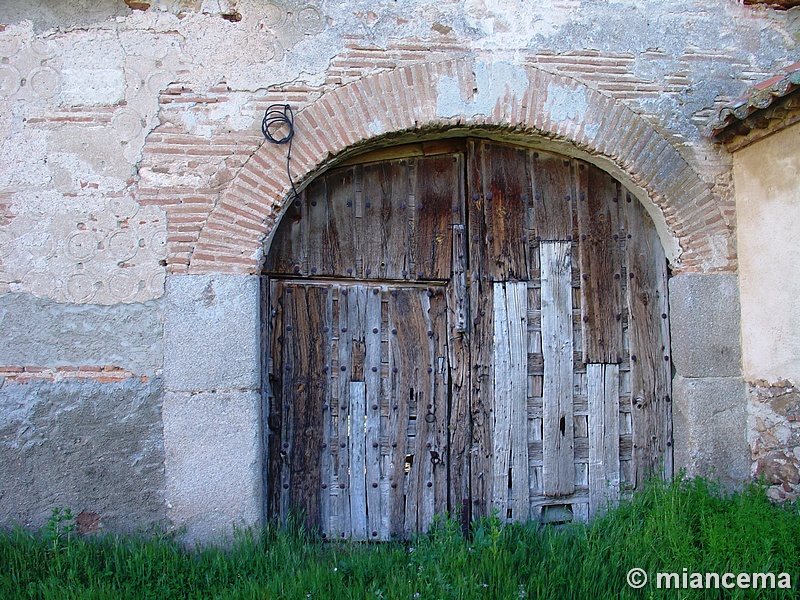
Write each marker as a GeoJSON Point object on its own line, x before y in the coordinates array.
{"type": "Point", "coordinates": [96, 448]}
{"type": "Point", "coordinates": [767, 174]}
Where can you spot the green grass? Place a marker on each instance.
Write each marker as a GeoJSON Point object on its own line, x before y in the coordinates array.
{"type": "Point", "coordinates": [666, 527]}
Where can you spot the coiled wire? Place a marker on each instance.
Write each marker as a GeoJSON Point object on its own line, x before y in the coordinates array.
{"type": "Point", "coordinates": [277, 119]}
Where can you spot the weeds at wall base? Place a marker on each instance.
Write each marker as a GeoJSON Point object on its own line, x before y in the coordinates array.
{"type": "Point", "coordinates": [689, 523]}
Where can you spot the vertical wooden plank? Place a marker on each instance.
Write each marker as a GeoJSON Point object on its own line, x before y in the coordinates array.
{"type": "Point", "coordinates": [501, 422]}
{"type": "Point", "coordinates": [319, 248]}
{"type": "Point", "coordinates": [481, 331]}
{"type": "Point", "coordinates": [343, 416]}
{"type": "Point", "coordinates": [557, 443]}
{"type": "Point", "coordinates": [459, 361]}
{"type": "Point", "coordinates": [437, 193]}
{"type": "Point", "coordinates": [372, 378]}
{"type": "Point", "coordinates": [649, 341]}
{"type": "Point", "coordinates": [552, 189]}
{"type": "Point", "coordinates": [601, 286]}
{"type": "Point", "coordinates": [505, 187]}
{"type": "Point", "coordinates": [341, 199]}
{"type": "Point", "coordinates": [510, 489]}
{"type": "Point", "coordinates": [482, 397]}
{"type": "Point", "coordinates": [309, 387]}
{"type": "Point", "coordinates": [275, 415]}
{"type": "Point", "coordinates": [517, 299]}
{"type": "Point", "coordinates": [357, 448]}
{"type": "Point", "coordinates": [604, 472]}
{"type": "Point", "coordinates": [326, 486]}
{"type": "Point", "coordinates": [439, 404]}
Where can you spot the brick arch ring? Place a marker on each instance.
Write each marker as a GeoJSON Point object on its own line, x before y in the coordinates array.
{"type": "Point", "coordinates": [513, 102]}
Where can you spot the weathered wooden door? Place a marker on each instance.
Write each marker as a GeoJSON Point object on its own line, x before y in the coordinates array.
{"type": "Point", "coordinates": [472, 327]}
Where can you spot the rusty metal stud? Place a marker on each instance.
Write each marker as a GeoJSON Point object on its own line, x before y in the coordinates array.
{"type": "Point", "coordinates": [344, 329]}
{"type": "Point", "coordinates": [585, 318]}
{"type": "Point", "coordinates": [343, 368]}
{"type": "Point", "coordinates": [374, 406]}
{"type": "Point", "coordinates": [288, 328]}
{"type": "Point", "coordinates": [374, 330]}
{"type": "Point", "coordinates": [667, 398]}
{"type": "Point", "coordinates": [616, 236]}
{"type": "Point", "coordinates": [428, 445]}
{"type": "Point", "coordinates": [430, 334]}
{"type": "Point", "coordinates": [394, 485]}
{"type": "Point", "coordinates": [420, 206]}
{"type": "Point", "coordinates": [582, 197]}
{"type": "Point", "coordinates": [430, 406]}
{"type": "Point", "coordinates": [490, 277]}
{"type": "Point", "coordinates": [286, 486]}
{"type": "Point", "coordinates": [490, 238]}
{"type": "Point", "coordinates": [476, 238]}
{"type": "Point", "coordinates": [430, 370]}
{"type": "Point", "coordinates": [324, 535]}
{"type": "Point", "coordinates": [669, 443]}
{"type": "Point", "coordinates": [313, 203]}
{"type": "Point", "coordinates": [374, 369]}
{"type": "Point", "coordinates": [629, 236]}
{"type": "Point", "coordinates": [314, 272]}
{"type": "Point", "coordinates": [367, 205]}
{"type": "Point", "coordinates": [394, 369]}
{"type": "Point", "coordinates": [324, 291]}
{"type": "Point", "coordinates": [324, 487]}
{"type": "Point", "coordinates": [349, 272]}
{"type": "Point", "coordinates": [585, 277]}
{"type": "Point", "coordinates": [430, 418]}
{"type": "Point", "coordinates": [619, 316]}
{"type": "Point", "coordinates": [374, 533]}
{"type": "Point", "coordinates": [616, 275]}
{"type": "Point", "coordinates": [538, 238]}
{"type": "Point", "coordinates": [367, 271]}
{"type": "Point", "coordinates": [456, 208]}
{"type": "Point", "coordinates": [375, 292]}
{"type": "Point", "coordinates": [628, 198]}
{"type": "Point", "coordinates": [429, 484]}
{"type": "Point", "coordinates": [394, 331]}
{"type": "Point", "coordinates": [489, 196]}
{"type": "Point", "coordinates": [349, 203]}
{"type": "Point", "coordinates": [615, 199]}
{"type": "Point", "coordinates": [429, 293]}
{"type": "Point", "coordinates": [631, 275]}
{"type": "Point", "coordinates": [343, 445]}
{"type": "Point", "coordinates": [296, 269]}
{"type": "Point", "coordinates": [326, 329]}
{"type": "Point", "coordinates": [633, 357]}
{"type": "Point", "coordinates": [537, 196]}
{"type": "Point", "coordinates": [475, 196]}
{"type": "Point", "coordinates": [394, 407]}
{"type": "Point", "coordinates": [324, 407]}
{"type": "Point", "coordinates": [374, 444]}
{"type": "Point", "coordinates": [567, 198]}
{"type": "Point", "coordinates": [289, 290]}
{"type": "Point", "coordinates": [666, 359]}
{"type": "Point", "coordinates": [341, 485]}
{"type": "Point", "coordinates": [297, 204]}
{"type": "Point", "coordinates": [374, 485]}
{"type": "Point", "coordinates": [403, 206]}
{"type": "Point", "coordinates": [394, 444]}
{"type": "Point", "coordinates": [663, 315]}
{"type": "Point", "coordinates": [288, 367]}
{"type": "Point", "coordinates": [524, 238]}
{"type": "Point", "coordinates": [583, 236]}
{"type": "Point", "coordinates": [285, 444]}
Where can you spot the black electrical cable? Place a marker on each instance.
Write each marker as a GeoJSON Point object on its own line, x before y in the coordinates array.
{"type": "Point", "coordinates": [277, 118]}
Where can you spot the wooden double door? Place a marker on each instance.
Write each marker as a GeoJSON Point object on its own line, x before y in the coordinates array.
{"type": "Point", "coordinates": [463, 327]}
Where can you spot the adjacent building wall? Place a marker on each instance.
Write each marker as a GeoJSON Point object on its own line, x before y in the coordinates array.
{"type": "Point", "coordinates": [767, 176]}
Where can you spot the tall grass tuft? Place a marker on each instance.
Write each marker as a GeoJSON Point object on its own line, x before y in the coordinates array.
{"type": "Point", "coordinates": [666, 527]}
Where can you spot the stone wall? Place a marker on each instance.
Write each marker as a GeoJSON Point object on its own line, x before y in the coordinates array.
{"type": "Point", "coordinates": [137, 196]}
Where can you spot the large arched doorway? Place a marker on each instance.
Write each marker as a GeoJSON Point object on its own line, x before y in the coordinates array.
{"type": "Point", "coordinates": [463, 326]}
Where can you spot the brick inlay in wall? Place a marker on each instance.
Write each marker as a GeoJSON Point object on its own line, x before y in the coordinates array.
{"type": "Point", "coordinates": [96, 373]}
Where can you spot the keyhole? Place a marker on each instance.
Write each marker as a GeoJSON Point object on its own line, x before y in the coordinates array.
{"type": "Point", "coordinates": [562, 425]}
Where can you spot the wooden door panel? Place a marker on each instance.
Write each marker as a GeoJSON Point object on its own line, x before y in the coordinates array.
{"type": "Point", "coordinates": [475, 332]}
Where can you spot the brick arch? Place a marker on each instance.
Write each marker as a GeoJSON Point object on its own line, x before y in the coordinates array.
{"type": "Point", "coordinates": [516, 101]}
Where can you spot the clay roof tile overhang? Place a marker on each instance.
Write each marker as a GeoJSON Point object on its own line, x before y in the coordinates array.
{"type": "Point", "coordinates": [766, 104]}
